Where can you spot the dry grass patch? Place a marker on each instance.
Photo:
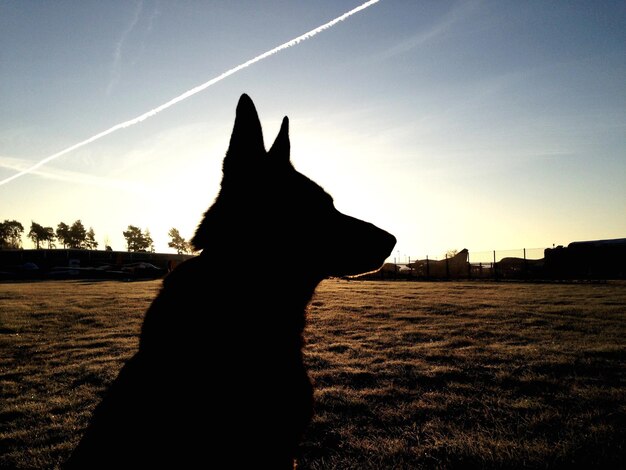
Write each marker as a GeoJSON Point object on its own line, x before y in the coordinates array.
{"type": "Point", "coordinates": [467, 375]}
{"type": "Point", "coordinates": [408, 375]}
{"type": "Point", "coordinates": [62, 343]}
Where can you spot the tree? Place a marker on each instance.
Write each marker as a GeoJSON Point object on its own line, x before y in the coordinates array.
{"type": "Point", "coordinates": [135, 239]}
{"type": "Point", "coordinates": [107, 243]}
{"type": "Point", "coordinates": [49, 237]}
{"type": "Point", "coordinates": [451, 253]}
{"type": "Point", "coordinates": [149, 241]}
{"type": "Point", "coordinates": [74, 236]}
{"type": "Point", "coordinates": [63, 234]}
{"type": "Point", "coordinates": [36, 231]}
{"type": "Point", "coordinates": [39, 234]}
{"type": "Point", "coordinates": [77, 235]}
{"type": "Point", "coordinates": [90, 240]}
{"type": "Point", "coordinates": [178, 243]}
{"type": "Point", "coordinates": [11, 234]}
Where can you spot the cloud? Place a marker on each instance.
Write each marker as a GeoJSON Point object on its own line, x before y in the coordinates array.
{"type": "Point", "coordinates": [193, 91]}
{"type": "Point", "coordinates": [454, 16]}
{"type": "Point", "coordinates": [117, 53]}
{"type": "Point", "coordinates": [74, 177]}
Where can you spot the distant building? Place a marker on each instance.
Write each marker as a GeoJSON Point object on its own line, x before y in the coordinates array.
{"type": "Point", "coordinates": [598, 259]}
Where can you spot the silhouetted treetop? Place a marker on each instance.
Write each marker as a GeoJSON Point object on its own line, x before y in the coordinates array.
{"type": "Point", "coordinates": [76, 236]}
{"type": "Point", "coordinates": [90, 239]}
{"type": "Point", "coordinates": [136, 240]}
{"type": "Point", "coordinates": [178, 242]}
{"type": "Point", "coordinates": [11, 234]}
{"type": "Point", "coordinates": [39, 234]}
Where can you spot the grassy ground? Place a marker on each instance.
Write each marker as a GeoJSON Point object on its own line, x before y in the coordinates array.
{"type": "Point", "coordinates": [408, 375]}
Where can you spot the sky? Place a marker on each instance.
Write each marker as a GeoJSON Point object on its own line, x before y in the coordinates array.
{"type": "Point", "coordinates": [486, 125]}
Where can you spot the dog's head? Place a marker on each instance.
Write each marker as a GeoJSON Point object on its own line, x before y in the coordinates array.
{"type": "Point", "coordinates": [266, 206]}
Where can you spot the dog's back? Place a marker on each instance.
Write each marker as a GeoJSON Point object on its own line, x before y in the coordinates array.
{"type": "Point", "coordinates": [219, 374]}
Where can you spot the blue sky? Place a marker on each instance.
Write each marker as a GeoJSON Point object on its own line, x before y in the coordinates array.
{"type": "Point", "coordinates": [452, 124]}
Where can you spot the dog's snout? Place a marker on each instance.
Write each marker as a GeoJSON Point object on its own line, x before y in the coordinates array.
{"type": "Point", "coordinates": [365, 247]}
{"type": "Point", "coordinates": [381, 241]}
{"type": "Point", "coordinates": [369, 238]}
{"type": "Point", "coordinates": [389, 241]}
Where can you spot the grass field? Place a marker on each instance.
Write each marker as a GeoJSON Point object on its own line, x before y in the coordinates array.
{"type": "Point", "coordinates": [408, 375]}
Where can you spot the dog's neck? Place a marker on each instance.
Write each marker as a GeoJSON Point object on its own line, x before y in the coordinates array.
{"type": "Point", "coordinates": [228, 295]}
{"type": "Point", "coordinates": [268, 277]}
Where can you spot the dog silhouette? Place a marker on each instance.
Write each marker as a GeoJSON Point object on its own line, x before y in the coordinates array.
{"type": "Point", "coordinates": [219, 374]}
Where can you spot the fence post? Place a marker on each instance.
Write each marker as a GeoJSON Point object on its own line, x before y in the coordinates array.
{"type": "Point", "coordinates": [495, 269]}
{"type": "Point", "coordinates": [427, 267]}
{"type": "Point", "coordinates": [447, 267]}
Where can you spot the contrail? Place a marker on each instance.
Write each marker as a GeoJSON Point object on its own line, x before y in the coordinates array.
{"type": "Point", "coordinates": [193, 91]}
{"type": "Point", "coordinates": [117, 53]}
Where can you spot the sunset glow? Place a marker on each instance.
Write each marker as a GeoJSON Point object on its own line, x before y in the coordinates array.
{"type": "Point", "coordinates": [478, 125]}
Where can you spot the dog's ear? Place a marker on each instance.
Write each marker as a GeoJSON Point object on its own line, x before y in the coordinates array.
{"type": "Point", "coordinates": [246, 146]}
{"type": "Point", "coordinates": [281, 147]}
{"type": "Point", "coordinates": [246, 141]}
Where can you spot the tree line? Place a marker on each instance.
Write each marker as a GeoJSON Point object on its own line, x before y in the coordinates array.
{"type": "Point", "coordinates": [76, 236]}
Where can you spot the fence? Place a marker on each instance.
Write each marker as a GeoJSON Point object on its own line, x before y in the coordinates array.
{"type": "Point", "coordinates": [603, 259]}
{"type": "Point", "coordinates": [71, 263]}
